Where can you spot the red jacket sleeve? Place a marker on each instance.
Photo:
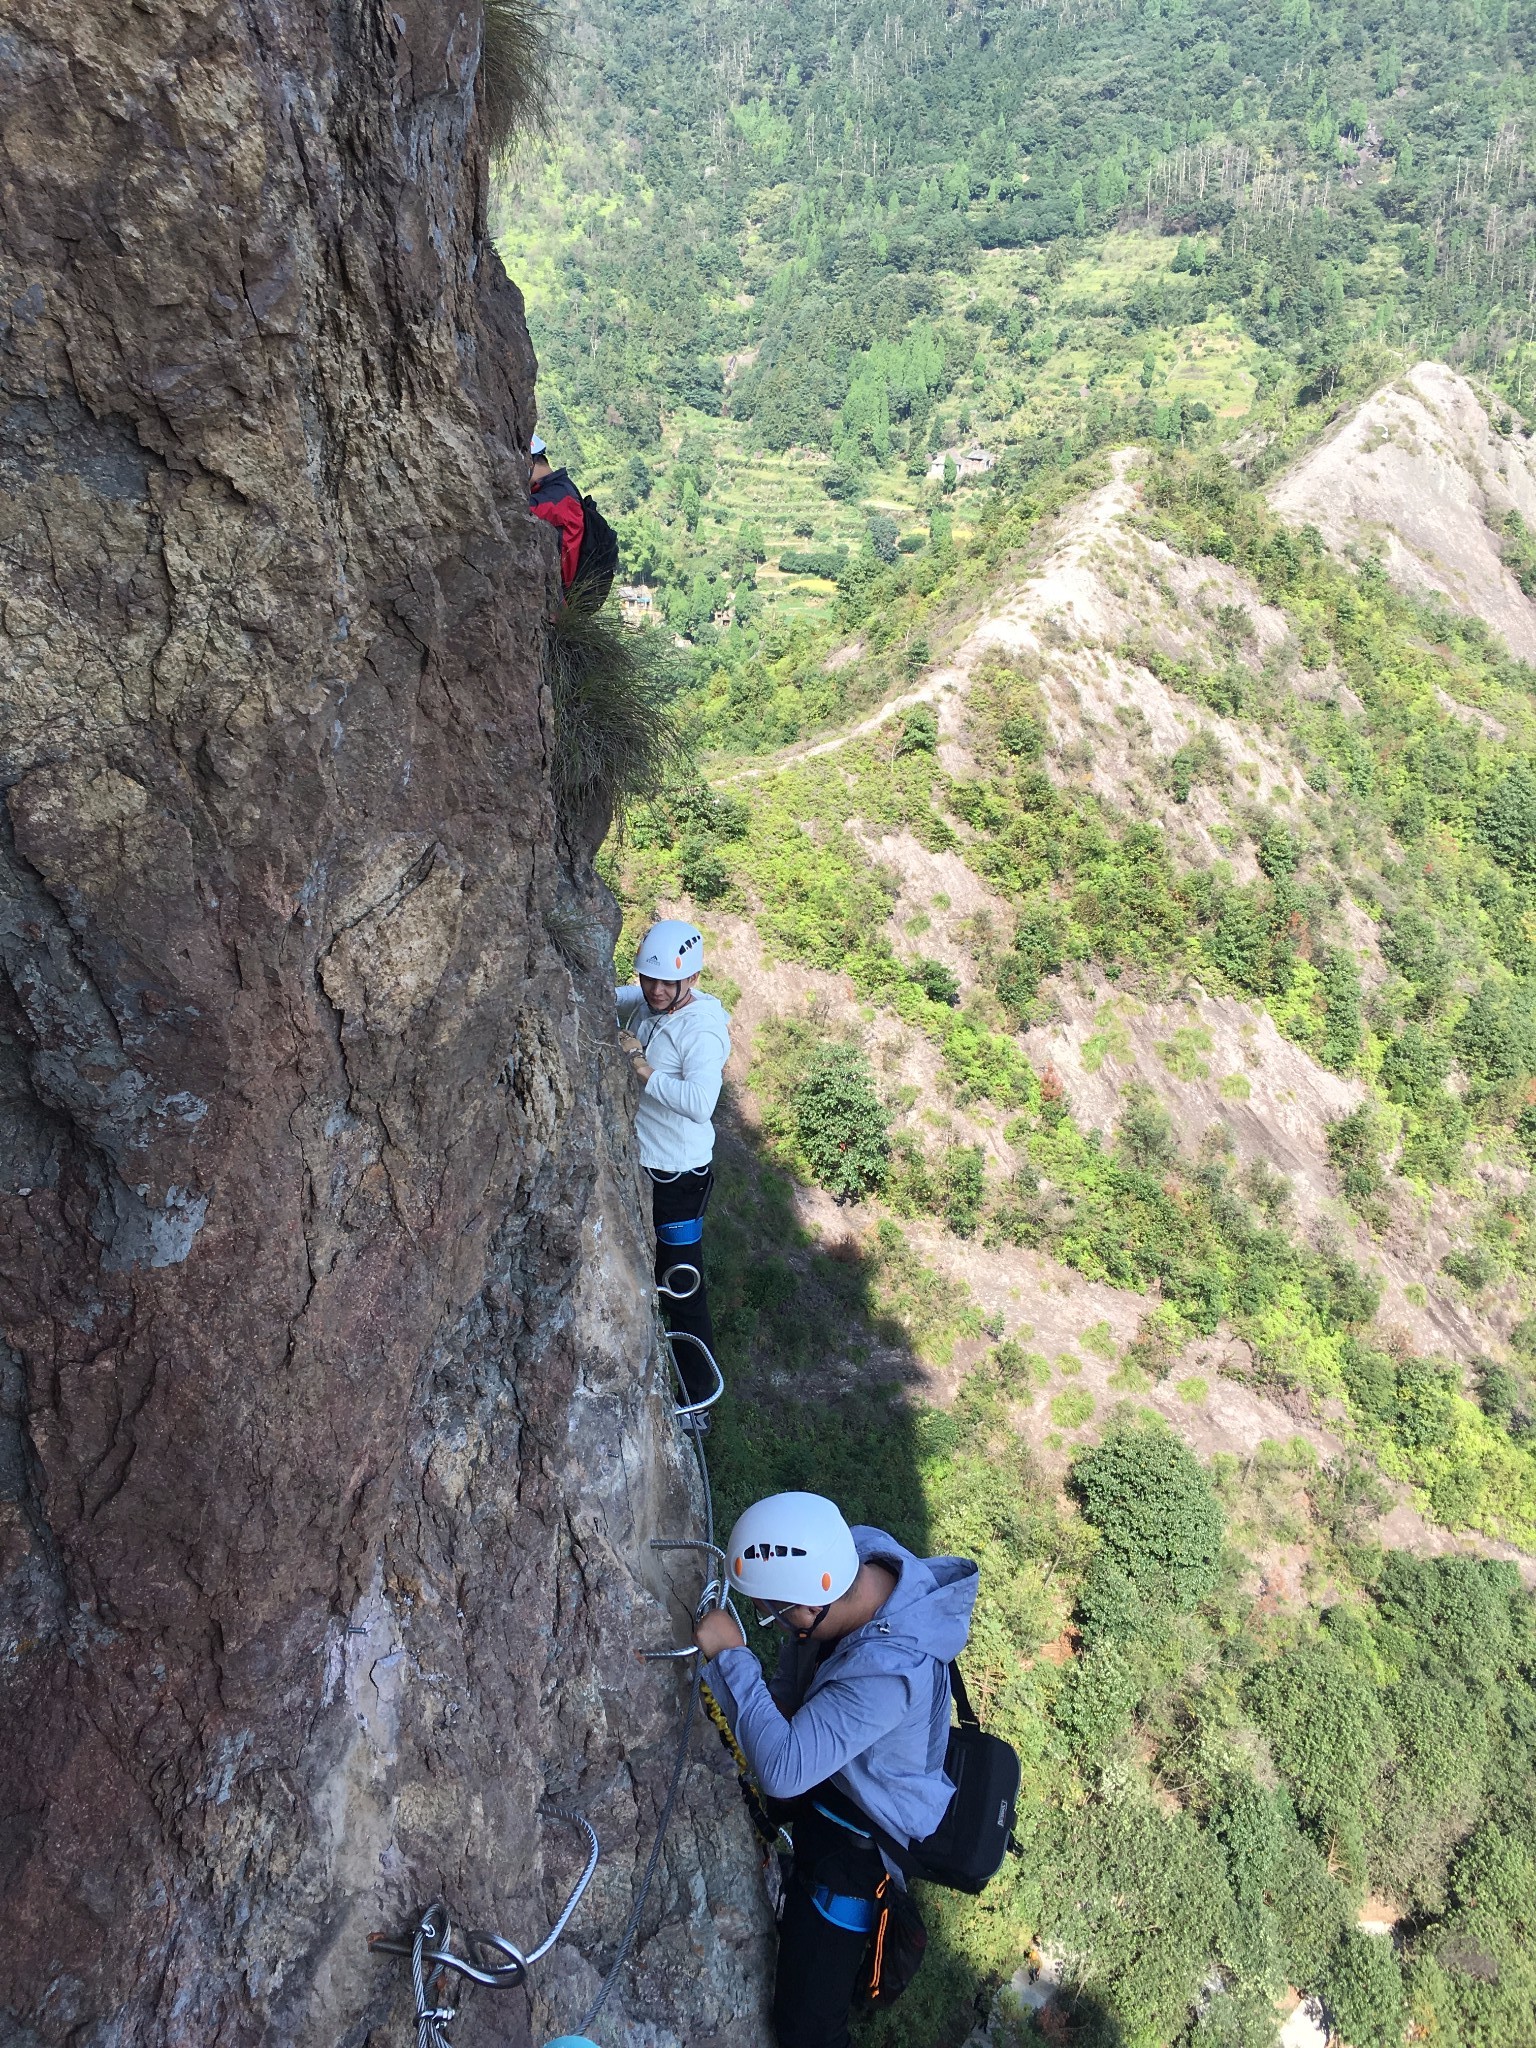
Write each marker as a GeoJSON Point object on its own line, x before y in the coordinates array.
{"type": "Point", "coordinates": [568, 520]}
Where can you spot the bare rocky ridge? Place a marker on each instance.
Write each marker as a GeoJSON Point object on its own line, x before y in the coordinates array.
{"type": "Point", "coordinates": [333, 1430]}
{"type": "Point", "coordinates": [1099, 588]}
{"type": "Point", "coordinates": [1418, 472]}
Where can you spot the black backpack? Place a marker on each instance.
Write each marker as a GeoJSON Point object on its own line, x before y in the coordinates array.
{"type": "Point", "coordinates": [597, 563]}
{"type": "Point", "coordinates": [966, 1850]}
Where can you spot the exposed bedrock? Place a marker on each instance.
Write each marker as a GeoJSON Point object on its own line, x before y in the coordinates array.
{"type": "Point", "coordinates": [332, 1431]}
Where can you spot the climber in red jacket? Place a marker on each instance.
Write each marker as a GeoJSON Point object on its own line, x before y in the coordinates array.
{"type": "Point", "coordinates": [555, 498]}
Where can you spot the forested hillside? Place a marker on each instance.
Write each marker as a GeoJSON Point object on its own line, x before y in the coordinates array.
{"type": "Point", "coordinates": [1137, 1047]}
{"type": "Point", "coordinates": [1113, 824]}
{"type": "Point", "coordinates": [781, 259]}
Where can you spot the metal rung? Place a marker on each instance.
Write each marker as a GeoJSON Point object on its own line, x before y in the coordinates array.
{"type": "Point", "coordinates": [664, 1284]}
{"type": "Point", "coordinates": [687, 1408]}
{"type": "Point", "coordinates": [690, 1543]}
{"type": "Point", "coordinates": [501, 1976]}
{"type": "Point", "coordinates": [716, 1594]}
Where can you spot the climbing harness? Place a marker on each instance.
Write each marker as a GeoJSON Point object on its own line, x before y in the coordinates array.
{"type": "Point", "coordinates": [689, 1231]}
{"type": "Point", "coordinates": [490, 1959]}
{"type": "Point", "coordinates": [684, 1278]}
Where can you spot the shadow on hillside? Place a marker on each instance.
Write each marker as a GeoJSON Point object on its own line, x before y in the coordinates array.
{"type": "Point", "coordinates": [783, 1307]}
{"type": "Point", "coordinates": [790, 1314]}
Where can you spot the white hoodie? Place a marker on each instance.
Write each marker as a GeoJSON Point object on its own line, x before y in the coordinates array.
{"type": "Point", "coordinates": [688, 1049]}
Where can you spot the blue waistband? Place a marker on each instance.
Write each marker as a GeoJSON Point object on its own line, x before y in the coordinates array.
{"type": "Point", "coordinates": [689, 1231]}
{"type": "Point", "coordinates": [843, 1909]}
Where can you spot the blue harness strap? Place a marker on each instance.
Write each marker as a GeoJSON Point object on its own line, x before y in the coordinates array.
{"type": "Point", "coordinates": [689, 1231]}
{"type": "Point", "coordinates": [844, 1909]}
{"type": "Point", "coordinates": [837, 1819]}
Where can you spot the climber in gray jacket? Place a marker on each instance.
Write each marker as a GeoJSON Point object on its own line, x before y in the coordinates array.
{"type": "Point", "coordinates": [853, 1725]}
{"type": "Point", "coordinates": [679, 1040]}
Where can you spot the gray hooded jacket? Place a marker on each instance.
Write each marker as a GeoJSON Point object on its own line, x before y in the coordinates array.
{"type": "Point", "coordinates": [874, 1716]}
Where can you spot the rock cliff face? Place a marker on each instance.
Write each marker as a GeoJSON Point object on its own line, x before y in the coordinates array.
{"type": "Point", "coordinates": [332, 1432]}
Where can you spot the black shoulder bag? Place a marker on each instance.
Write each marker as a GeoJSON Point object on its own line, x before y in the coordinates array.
{"type": "Point", "coordinates": [966, 1850]}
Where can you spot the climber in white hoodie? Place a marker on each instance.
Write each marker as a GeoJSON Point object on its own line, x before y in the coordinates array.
{"type": "Point", "coordinates": [679, 1040]}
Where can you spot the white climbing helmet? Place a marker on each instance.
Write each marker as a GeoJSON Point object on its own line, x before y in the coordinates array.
{"type": "Point", "coordinates": [792, 1550]}
{"type": "Point", "coordinates": [670, 951]}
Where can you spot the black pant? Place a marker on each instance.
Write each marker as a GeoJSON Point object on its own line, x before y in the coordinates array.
{"type": "Point", "coordinates": [682, 1198]}
{"type": "Point", "coordinates": [819, 1964]}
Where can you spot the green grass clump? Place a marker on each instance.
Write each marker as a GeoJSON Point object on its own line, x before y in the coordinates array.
{"type": "Point", "coordinates": [516, 70]}
{"type": "Point", "coordinates": [840, 1123]}
{"type": "Point", "coordinates": [1072, 1409]}
{"type": "Point", "coordinates": [615, 733]}
{"type": "Point", "coordinates": [1157, 1518]}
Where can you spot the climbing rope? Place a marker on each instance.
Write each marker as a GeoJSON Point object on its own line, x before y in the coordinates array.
{"type": "Point", "coordinates": [723, 1729]}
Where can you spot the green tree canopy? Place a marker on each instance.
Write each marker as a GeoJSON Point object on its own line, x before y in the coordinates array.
{"type": "Point", "coordinates": [1155, 1512]}
{"type": "Point", "coordinates": [843, 1127]}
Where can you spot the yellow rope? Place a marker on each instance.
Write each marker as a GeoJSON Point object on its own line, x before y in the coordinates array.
{"type": "Point", "coordinates": [716, 1714]}
{"type": "Point", "coordinates": [769, 1830]}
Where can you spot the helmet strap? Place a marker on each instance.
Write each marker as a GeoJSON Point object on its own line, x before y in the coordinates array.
{"type": "Point", "coordinates": [681, 994]}
{"type": "Point", "coordinates": [804, 1635]}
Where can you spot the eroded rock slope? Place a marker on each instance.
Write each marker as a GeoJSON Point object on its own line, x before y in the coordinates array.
{"type": "Point", "coordinates": [1419, 474]}
{"type": "Point", "coordinates": [333, 1430]}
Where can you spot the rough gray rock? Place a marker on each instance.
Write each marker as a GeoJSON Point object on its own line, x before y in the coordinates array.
{"type": "Point", "coordinates": [331, 1428]}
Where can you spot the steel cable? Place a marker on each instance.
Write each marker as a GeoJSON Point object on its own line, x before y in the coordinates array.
{"type": "Point", "coordinates": [631, 1926]}
{"type": "Point", "coordinates": [430, 2019]}
{"type": "Point", "coordinates": [578, 1820]}
{"type": "Point", "coordinates": [430, 1942]}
